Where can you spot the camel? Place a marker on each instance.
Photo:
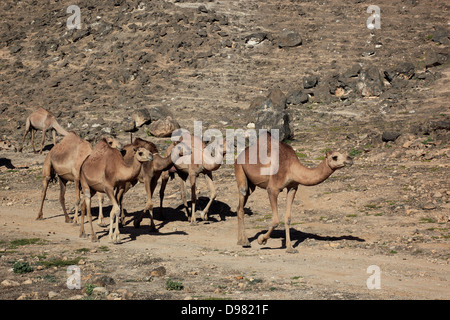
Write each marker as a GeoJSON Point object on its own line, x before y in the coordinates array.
{"type": "Point", "coordinates": [291, 173]}
{"type": "Point", "coordinates": [65, 160]}
{"type": "Point", "coordinates": [103, 171]}
{"type": "Point", "coordinates": [185, 167]}
{"type": "Point", "coordinates": [44, 120]}
{"type": "Point", "coordinates": [149, 175]}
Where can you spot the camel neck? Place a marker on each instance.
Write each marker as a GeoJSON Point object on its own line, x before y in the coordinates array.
{"type": "Point", "coordinates": [311, 176]}
{"type": "Point", "coordinates": [129, 172]}
{"type": "Point", "coordinates": [162, 163]}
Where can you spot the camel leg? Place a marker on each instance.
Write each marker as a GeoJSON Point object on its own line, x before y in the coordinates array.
{"type": "Point", "coordinates": [242, 184]}
{"type": "Point", "coordinates": [88, 209]}
{"type": "Point", "coordinates": [100, 210]}
{"type": "Point", "coordinates": [77, 201]}
{"type": "Point", "coordinates": [32, 139]}
{"type": "Point", "coordinates": [82, 213]}
{"type": "Point", "coordinates": [114, 217]}
{"type": "Point", "coordinates": [162, 189]}
{"type": "Point", "coordinates": [192, 179]}
{"type": "Point", "coordinates": [183, 196]}
{"type": "Point", "coordinates": [45, 182]}
{"type": "Point", "coordinates": [120, 192]}
{"type": "Point", "coordinates": [62, 200]}
{"type": "Point", "coordinates": [273, 195]}
{"type": "Point", "coordinates": [213, 194]}
{"type": "Point", "coordinates": [149, 188]}
{"type": "Point", "coordinates": [153, 184]}
{"type": "Point", "coordinates": [287, 219]}
{"type": "Point", "coordinates": [44, 130]}
{"type": "Point", "coordinates": [242, 238]}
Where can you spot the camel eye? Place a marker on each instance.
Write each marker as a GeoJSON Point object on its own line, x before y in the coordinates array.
{"type": "Point", "coordinates": [140, 153]}
{"type": "Point", "coordinates": [335, 158]}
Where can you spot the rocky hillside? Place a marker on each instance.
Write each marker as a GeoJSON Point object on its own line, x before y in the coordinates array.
{"type": "Point", "coordinates": [218, 61]}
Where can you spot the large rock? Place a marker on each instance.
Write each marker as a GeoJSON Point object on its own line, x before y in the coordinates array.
{"type": "Point", "coordinates": [163, 127]}
{"type": "Point", "coordinates": [310, 81]}
{"type": "Point", "coordinates": [270, 113]}
{"type": "Point", "coordinates": [441, 35]}
{"type": "Point", "coordinates": [289, 39]}
{"type": "Point", "coordinates": [404, 70]}
{"type": "Point", "coordinates": [370, 83]}
{"type": "Point", "coordinates": [141, 117]}
{"type": "Point", "coordinates": [297, 96]}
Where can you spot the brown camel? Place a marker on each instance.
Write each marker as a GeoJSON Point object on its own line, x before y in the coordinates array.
{"type": "Point", "coordinates": [65, 160]}
{"type": "Point", "coordinates": [44, 120]}
{"type": "Point", "coordinates": [186, 167]}
{"type": "Point", "coordinates": [290, 174]}
{"type": "Point", "coordinates": [103, 171]}
{"type": "Point", "coordinates": [149, 175]}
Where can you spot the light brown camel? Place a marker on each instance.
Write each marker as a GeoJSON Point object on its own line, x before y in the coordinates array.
{"type": "Point", "coordinates": [189, 166]}
{"type": "Point", "coordinates": [149, 175]}
{"type": "Point", "coordinates": [44, 120]}
{"type": "Point", "coordinates": [290, 174]}
{"type": "Point", "coordinates": [103, 171]}
{"type": "Point", "coordinates": [65, 160]}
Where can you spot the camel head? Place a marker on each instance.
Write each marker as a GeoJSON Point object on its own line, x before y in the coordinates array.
{"type": "Point", "coordinates": [142, 154]}
{"type": "Point", "coordinates": [337, 160]}
{"type": "Point", "coordinates": [113, 143]}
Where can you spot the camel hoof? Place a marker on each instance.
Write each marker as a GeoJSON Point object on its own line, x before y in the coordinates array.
{"type": "Point", "coordinates": [39, 218]}
{"type": "Point", "coordinates": [244, 243]}
{"type": "Point", "coordinates": [203, 215]}
{"type": "Point", "coordinates": [102, 225]}
{"type": "Point", "coordinates": [291, 250]}
{"type": "Point", "coordinates": [262, 240]}
{"type": "Point", "coordinates": [94, 239]}
{"type": "Point", "coordinates": [69, 220]}
{"type": "Point", "coordinates": [83, 235]}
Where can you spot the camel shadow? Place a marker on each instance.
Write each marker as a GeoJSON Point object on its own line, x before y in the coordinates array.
{"type": "Point", "coordinates": [5, 162]}
{"type": "Point", "coordinates": [298, 237]}
{"type": "Point", "coordinates": [219, 211]}
{"type": "Point", "coordinates": [127, 228]}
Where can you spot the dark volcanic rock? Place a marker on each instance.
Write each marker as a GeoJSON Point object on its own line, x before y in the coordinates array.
{"type": "Point", "coordinates": [390, 136]}
{"type": "Point", "coordinates": [269, 113]}
{"type": "Point", "coordinates": [289, 39]}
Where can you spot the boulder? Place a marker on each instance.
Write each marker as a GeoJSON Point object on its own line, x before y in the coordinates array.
{"type": "Point", "coordinates": [404, 70]}
{"type": "Point", "coordinates": [389, 136]}
{"type": "Point", "coordinates": [441, 35]}
{"type": "Point", "coordinates": [296, 97]}
{"type": "Point", "coordinates": [163, 127]}
{"type": "Point", "coordinates": [370, 82]}
{"type": "Point", "coordinates": [270, 113]}
{"type": "Point", "coordinates": [141, 117]}
{"type": "Point", "coordinates": [310, 81]}
{"type": "Point", "coordinates": [289, 39]}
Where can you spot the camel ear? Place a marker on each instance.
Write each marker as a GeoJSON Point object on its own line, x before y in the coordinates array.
{"type": "Point", "coordinates": [328, 153]}
{"type": "Point", "coordinates": [134, 149]}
